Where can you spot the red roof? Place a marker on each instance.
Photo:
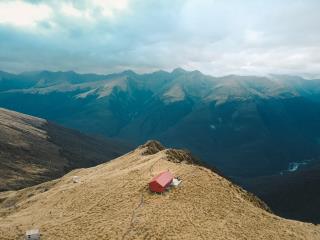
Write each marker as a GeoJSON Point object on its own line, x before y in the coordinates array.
{"type": "Point", "coordinates": [160, 182]}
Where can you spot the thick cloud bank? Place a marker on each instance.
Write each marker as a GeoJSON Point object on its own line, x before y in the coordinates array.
{"type": "Point", "coordinates": [215, 36]}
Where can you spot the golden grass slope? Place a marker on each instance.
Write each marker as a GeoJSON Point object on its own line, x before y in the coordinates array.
{"type": "Point", "coordinates": [112, 201]}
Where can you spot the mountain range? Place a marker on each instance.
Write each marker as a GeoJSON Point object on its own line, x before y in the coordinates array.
{"type": "Point", "coordinates": [246, 126]}
{"type": "Point", "coordinates": [261, 132]}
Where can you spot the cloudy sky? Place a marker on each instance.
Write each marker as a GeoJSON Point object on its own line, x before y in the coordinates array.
{"type": "Point", "coordinates": [217, 37]}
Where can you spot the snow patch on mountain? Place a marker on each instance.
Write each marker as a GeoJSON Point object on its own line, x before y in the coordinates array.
{"type": "Point", "coordinates": [174, 94]}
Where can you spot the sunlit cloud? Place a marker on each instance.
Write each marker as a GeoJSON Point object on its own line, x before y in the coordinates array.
{"type": "Point", "coordinates": [110, 7]}
{"type": "Point", "coordinates": [94, 9]}
{"type": "Point", "coordinates": [69, 10]}
{"type": "Point", "coordinates": [23, 14]}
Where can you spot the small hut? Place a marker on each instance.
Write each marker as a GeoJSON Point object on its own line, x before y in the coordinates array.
{"type": "Point", "coordinates": [33, 234]}
{"type": "Point", "coordinates": [160, 182]}
{"type": "Point", "coordinates": [75, 179]}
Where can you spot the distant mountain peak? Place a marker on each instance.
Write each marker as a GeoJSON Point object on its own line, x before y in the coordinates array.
{"type": "Point", "coordinates": [179, 70]}
{"type": "Point", "coordinates": [128, 72]}
{"type": "Point", "coordinates": [152, 147]}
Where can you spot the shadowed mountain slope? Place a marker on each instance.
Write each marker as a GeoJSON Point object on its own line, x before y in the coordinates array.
{"type": "Point", "coordinates": [293, 195]}
{"type": "Point", "coordinates": [33, 150]}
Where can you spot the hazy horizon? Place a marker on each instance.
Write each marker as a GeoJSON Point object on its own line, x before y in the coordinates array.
{"type": "Point", "coordinates": [306, 77]}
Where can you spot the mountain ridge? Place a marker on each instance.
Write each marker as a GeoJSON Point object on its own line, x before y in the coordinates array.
{"type": "Point", "coordinates": [203, 206]}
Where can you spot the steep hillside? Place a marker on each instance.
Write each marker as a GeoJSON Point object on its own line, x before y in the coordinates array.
{"type": "Point", "coordinates": [293, 195]}
{"type": "Point", "coordinates": [246, 126]}
{"type": "Point", "coordinates": [33, 150]}
{"type": "Point", "coordinates": [112, 201]}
